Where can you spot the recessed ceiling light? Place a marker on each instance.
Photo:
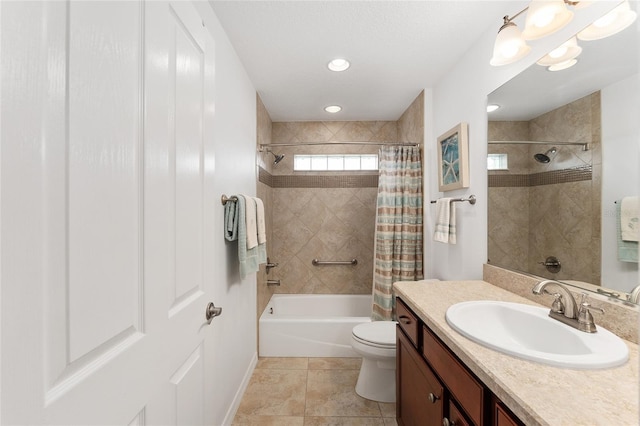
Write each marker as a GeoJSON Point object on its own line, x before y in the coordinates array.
{"type": "Point", "coordinates": [333, 109]}
{"type": "Point", "coordinates": [338, 64]}
{"type": "Point", "coordinates": [492, 107]}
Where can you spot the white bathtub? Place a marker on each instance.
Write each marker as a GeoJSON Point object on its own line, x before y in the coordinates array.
{"type": "Point", "coordinates": [311, 325]}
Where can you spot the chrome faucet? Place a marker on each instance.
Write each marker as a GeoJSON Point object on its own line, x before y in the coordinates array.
{"type": "Point", "coordinates": [565, 309]}
{"type": "Point", "coordinates": [568, 307]}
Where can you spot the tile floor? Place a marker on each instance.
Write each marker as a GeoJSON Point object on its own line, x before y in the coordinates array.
{"type": "Point", "coordinates": [309, 392]}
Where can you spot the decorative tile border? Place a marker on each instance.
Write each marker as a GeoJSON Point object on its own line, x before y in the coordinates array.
{"type": "Point", "coordinates": [317, 181]}
{"type": "Point", "coordinates": [545, 178]}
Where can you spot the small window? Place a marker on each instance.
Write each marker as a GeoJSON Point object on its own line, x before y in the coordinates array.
{"type": "Point", "coordinates": [497, 162]}
{"type": "Point", "coordinates": [347, 162]}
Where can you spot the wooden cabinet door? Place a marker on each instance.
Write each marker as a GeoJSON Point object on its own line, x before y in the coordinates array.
{"type": "Point", "coordinates": [419, 393]}
{"type": "Point", "coordinates": [503, 417]}
{"type": "Point", "coordinates": [455, 416]}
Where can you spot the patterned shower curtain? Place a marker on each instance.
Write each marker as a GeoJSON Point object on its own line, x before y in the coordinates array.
{"type": "Point", "coordinates": [398, 237]}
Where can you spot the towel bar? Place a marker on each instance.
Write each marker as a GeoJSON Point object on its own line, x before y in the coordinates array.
{"type": "Point", "coordinates": [224, 199]}
{"type": "Point", "coordinates": [316, 262]}
{"type": "Point", "coordinates": [471, 200]}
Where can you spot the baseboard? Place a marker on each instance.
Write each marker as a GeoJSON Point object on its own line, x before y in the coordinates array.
{"type": "Point", "coordinates": [231, 413]}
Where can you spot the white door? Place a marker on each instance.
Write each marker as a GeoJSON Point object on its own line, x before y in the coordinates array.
{"type": "Point", "coordinates": [105, 107]}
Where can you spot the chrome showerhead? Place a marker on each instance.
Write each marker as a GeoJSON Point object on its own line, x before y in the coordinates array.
{"type": "Point", "coordinates": [278, 157]}
{"type": "Point", "coordinates": [545, 158]}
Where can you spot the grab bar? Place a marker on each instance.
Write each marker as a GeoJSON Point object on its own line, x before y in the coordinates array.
{"type": "Point", "coordinates": [471, 200]}
{"type": "Point", "coordinates": [316, 262]}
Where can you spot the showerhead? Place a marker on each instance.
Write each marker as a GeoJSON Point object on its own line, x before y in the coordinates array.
{"type": "Point", "coordinates": [544, 158]}
{"type": "Point", "coordinates": [278, 157]}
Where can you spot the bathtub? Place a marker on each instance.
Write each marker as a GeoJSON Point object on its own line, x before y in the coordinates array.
{"type": "Point", "coordinates": [311, 325]}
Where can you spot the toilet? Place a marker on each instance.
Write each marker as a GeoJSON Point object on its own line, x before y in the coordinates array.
{"type": "Point", "coordinates": [376, 343]}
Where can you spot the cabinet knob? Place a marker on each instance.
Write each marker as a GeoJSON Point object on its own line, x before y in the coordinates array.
{"type": "Point", "coordinates": [447, 422]}
{"type": "Point", "coordinates": [433, 398]}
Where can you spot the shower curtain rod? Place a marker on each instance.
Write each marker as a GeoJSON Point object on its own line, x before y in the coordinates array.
{"type": "Point", "coordinates": [264, 145]}
{"type": "Point", "coordinates": [585, 145]}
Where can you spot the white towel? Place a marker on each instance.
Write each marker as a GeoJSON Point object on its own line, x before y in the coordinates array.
{"type": "Point", "coordinates": [629, 226]}
{"type": "Point", "coordinates": [262, 229]}
{"type": "Point", "coordinates": [445, 227]}
{"type": "Point", "coordinates": [251, 223]}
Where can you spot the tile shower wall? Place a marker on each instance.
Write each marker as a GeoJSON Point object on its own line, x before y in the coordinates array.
{"type": "Point", "coordinates": [334, 219]}
{"type": "Point", "coordinates": [264, 192]}
{"type": "Point", "coordinates": [329, 216]}
{"type": "Point", "coordinates": [539, 210]}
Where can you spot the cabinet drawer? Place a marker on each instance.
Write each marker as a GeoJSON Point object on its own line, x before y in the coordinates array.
{"type": "Point", "coordinates": [466, 390]}
{"type": "Point", "coordinates": [407, 321]}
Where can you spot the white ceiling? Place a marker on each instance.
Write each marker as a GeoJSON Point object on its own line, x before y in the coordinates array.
{"type": "Point", "coordinates": [396, 48]}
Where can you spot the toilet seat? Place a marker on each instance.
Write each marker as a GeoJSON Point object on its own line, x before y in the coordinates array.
{"type": "Point", "coordinates": [378, 334]}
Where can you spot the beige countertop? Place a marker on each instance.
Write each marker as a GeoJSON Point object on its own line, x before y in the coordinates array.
{"type": "Point", "coordinates": [538, 394]}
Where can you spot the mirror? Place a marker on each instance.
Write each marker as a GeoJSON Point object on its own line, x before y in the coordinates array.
{"type": "Point", "coordinates": [555, 216]}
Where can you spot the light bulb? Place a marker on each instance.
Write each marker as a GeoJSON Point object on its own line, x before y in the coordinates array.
{"type": "Point", "coordinates": [543, 18]}
{"type": "Point", "coordinates": [563, 65]}
{"type": "Point", "coordinates": [509, 45]}
{"type": "Point", "coordinates": [559, 52]}
{"type": "Point", "coordinates": [611, 23]}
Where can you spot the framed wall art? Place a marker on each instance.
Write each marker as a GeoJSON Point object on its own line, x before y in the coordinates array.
{"type": "Point", "coordinates": [453, 159]}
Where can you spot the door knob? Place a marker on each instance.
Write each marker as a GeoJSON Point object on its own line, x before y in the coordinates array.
{"type": "Point", "coordinates": [212, 312]}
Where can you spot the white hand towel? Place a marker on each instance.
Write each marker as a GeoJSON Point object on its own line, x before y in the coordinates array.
{"type": "Point", "coordinates": [262, 229]}
{"type": "Point", "coordinates": [445, 226]}
{"type": "Point", "coordinates": [629, 225]}
{"type": "Point", "coordinates": [250, 220]}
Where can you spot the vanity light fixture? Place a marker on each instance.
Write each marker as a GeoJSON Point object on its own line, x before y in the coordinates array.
{"type": "Point", "coordinates": [333, 109]}
{"type": "Point", "coordinates": [509, 46]}
{"type": "Point", "coordinates": [564, 53]}
{"type": "Point", "coordinates": [611, 23]}
{"type": "Point", "coordinates": [338, 64]}
{"type": "Point", "coordinates": [492, 107]}
{"type": "Point", "coordinates": [562, 65]}
{"type": "Point", "coordinates": [545, 17]}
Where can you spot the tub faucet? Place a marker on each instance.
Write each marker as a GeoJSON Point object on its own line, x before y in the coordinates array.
{"type": "Point", "coordinates": [270, 265]}
{"type": "Point", "coordinates": [567, 312]}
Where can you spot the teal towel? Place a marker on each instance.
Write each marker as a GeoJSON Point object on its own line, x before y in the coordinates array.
{"type": "Point", "coordinates": [251, 259]}
{"type": "Point", "coordinates": [627, 250]}
{"type": "Point", "coordinates": [231, 220]}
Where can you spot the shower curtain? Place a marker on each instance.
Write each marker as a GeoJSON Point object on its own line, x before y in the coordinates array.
{"type": "Point", "coordinates": [398, 236]}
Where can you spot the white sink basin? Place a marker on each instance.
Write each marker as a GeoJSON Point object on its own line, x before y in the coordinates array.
{"type": "Point", "coordinates": [528, 332]}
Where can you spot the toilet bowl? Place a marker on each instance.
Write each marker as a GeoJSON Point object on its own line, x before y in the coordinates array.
{"type": "Point", "coordinates": [376, 343]}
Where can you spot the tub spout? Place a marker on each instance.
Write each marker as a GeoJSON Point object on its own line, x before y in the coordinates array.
{"type": "Point", "coordinates": [273, 282]}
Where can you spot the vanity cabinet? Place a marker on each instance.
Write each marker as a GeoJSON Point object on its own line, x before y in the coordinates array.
{"type": "Point", "coordinates": [433, 387]}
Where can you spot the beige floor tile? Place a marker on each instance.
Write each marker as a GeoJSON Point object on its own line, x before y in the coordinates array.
{"type": "Point", "coordinates": [275, 393]}
{"type": "Point", "coordinates": [332, 393]}
{"type": "Point", "coordinates": [249, 420]}
{"type": "Point", "coordinates": [334, 363]}
{"type": "Point", "coordinates": [343, 421]}
{"type": "Point", "coordinates": [283, 363]}
{"type": "Point", "coordinates": [387, 409]}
